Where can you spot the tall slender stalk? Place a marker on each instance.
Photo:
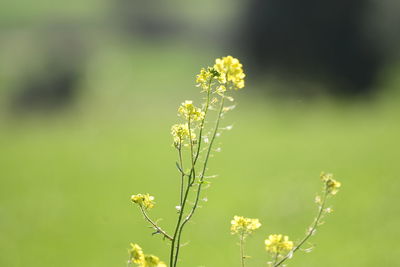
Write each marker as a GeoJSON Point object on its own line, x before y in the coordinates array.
{"type": "Point", "coordinates": [181, 171]}
{"type": "Point", "coordinates": [310, 232]}
{"type": "Point", "coordinates": [175, 244]}
{"type": "Point", "coordinates": [158, 228]}
{"type": "Point", "coordinates": [226, 74]}
{"type": "Point", "coordinates": [201, 182]}
{"type": "Point", "coordinates": [241, 244]}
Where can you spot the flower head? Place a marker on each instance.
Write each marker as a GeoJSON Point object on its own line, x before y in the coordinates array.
{"type": "Point", "coordinates": [206, 76]}
{"type": "Point", "coordinates": [144, 200]}
{"type": "Point", "coordinates": [332, 186]}
{"type": "Point", "coordinates": [231, 71]}
{"type": "Point", "coordinates": [153, 261]}
{"type": "Point", "coordinates": [180, 133]}
{"type": "Point", "coordinates": [190, 112]}
{"type": "Point", "coordinates": [243, 225]}
{"type": "Point", "coordinates": [136, 254]}
{"type": "Point", "coordinates": [278, 244]}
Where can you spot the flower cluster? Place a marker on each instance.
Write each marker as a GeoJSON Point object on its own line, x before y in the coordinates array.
{"type": "Point", "coordinates": [225, 70]}
{"type": "Point", "coordinates": [188, 111]}
{"type": "Point", "coordinates": [143, 200]}
{"type": "Point", "coordinates": [206, 77]}
{"type": "Point", "coordinates": [227, 73]}
{"type": "Point", "coordinates": [180, 133]}
{"type": "Point", "coordinates": [332, 186]}
{"type": "Point", "coordinates": [242, 225]}
{"type": "Point", "coordinates": [137, 256]}
{"type": "Point", "coordinates": [231, 71]}
{"type": "Point", "coordinates": [278, 244]}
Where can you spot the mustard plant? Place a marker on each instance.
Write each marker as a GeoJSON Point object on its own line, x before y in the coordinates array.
{"type": "Point", "coordinates": [279, 247]}
{"type": "Point", "coordinates": [194, 140]}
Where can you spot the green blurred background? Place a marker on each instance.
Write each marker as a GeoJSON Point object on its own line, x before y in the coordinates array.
{"type": "Point", "coordinates": [86, 107]}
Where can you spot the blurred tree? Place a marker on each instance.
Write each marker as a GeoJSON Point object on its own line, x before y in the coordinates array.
{"type": "Point", "coordinates": [147, 19]}
{"type": "Point", "coordinates": [325, 41]}
{"type": "Point", "coordinates": [53, 82]}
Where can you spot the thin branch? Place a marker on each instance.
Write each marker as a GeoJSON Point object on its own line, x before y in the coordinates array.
{"type": "Point", "coordinates": [180, 229]}
{"type": "Point", "coordinates": [205, 164]}
{"type": "Point", "coordinates": [191, 178]}
{"type": "Point", "coordinates": [242, 249]}
{"type": "Point", "coordinates": [154, 224]}
{"type": "Point", "coordinates": [309, 233]}
{"type": "Point", "coordinates": [181, 170]}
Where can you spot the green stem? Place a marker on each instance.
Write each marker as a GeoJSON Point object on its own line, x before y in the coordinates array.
{"type": "Point", "coordinates": [182, 173]}
{"type": "Point", "coordinates": [191, 179]}
{"type": "Point", "coordinates": [201, 180]}
{"type": "Point", "coordinates": [276, 258]}
{"type": "Point", "coordinates": [161, 231]}
{"type": "Point", "coordinates": [242, 249]}
{"type": "Point", "coordinates": [172, 259]}
{"type": "Point", "coordinates": [201, 130]}
{"type": "Point", "coordinates": [193, 170]}
{"type": "Point", "coordinates": [309, 233]}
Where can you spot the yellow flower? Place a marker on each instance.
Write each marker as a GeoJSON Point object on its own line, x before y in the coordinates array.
{"type": "Point", "coordinates": [153, 261]}
{"type": "Point", "coordinates": [136, 254]}
{"type": "Point", "coordinates": [190, 112]}
{"type": "Point", "coordinates": [144, 200]}
{"type": "Point", "coordinates": [180, 133]}
{"type": "Point", "coordinates": [278, 244]}
{"type": "Point", "coordinates": [205, 77]}
{"type": "Point", "coordinates": [231, 71]}
{"type": "Point", "coordinates": [220, 90]}
{"type": "Point", "coordinates": [332, 186]}
{"type": "Point", "coordinates": [242, 225]}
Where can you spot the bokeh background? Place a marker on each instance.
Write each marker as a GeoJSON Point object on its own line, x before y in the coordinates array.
{"type": "Point", "coordinates": [89, 89]}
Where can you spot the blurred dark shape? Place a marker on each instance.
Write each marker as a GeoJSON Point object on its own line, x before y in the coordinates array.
{"type": "Point", "coordinates": [55, 89]}
{"type": "Point", "coordinates": [55, 81]}
{"type": "Point", "coordinates": [148, 19]}
{"type": "Point", "coordinates": [323, 41]}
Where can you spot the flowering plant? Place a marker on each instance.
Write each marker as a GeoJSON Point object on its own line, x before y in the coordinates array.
{"type": "Point", "coordinates": [193, 139]}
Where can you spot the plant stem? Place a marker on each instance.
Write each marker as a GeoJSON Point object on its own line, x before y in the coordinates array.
{"type": "Point", "coordinates": [242, 249]}
{"type": "Point", "coordinates": [182, 173]}
{"type": "Point", "coordinates": [193, 170]}
{"type": "Point", "coordinates": [172, 260]}
{"type": "Point", "coordinates": [154, 224]}
{"type": "Point", "coordinates": [309, 233]}
{"type": "Point", "coordinates": [201, 130]}
{"type": "Point", "coordinates": [276, 258]}
{"type": "Point", "coordinates": [191, 179]}
{"type": "Point", "coordinates": [201, 180]}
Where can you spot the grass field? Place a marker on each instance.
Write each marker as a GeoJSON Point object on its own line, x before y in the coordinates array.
{"type": "Point", "coordinates": [66, 182]}
{"type": "Point", "coordinates": [66, 178]}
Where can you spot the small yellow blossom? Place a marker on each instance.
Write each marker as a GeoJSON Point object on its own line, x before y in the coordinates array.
{"type": "Point", "coordinates": [231, 70]}
{"type": "Point", "coordinates": [153, 261]}
{"type": "Point", "coordinates": [144, 200]}
{"type": "Point", "coordinates": [205, 77]}
{"type": "Point", "coordinates": [332, 186]}
{"type": "Point", "coordinates": [190, 112]}
{"type": "Point", "coordinates": [278, 244]}
{"type": "Point", "coordinates": [220, 90]}
{"type": "Point", "coordinates": [136, 254]}
{"type": "Point", "coordinates": [242, 225]}
{"type": "Point", "coordinates": [180, 132]}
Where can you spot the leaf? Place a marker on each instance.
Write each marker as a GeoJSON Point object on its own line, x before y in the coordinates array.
{"type": "Point", "coordinates": [179, 168]}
